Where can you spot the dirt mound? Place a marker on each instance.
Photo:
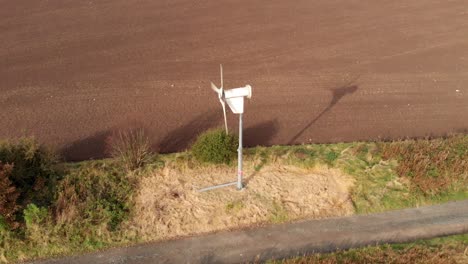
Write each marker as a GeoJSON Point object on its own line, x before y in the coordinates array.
{"type": "Point", "coordinates": [168, 203]}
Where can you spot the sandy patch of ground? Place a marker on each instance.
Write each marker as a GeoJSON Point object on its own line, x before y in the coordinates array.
{"type": "Point", "coordinates": [169, 205]}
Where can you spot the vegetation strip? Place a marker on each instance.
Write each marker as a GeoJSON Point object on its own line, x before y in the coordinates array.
{"type": "Point", "coordinates": [452, 249]}
{"type": "Point", "coordinates": [50, 208]}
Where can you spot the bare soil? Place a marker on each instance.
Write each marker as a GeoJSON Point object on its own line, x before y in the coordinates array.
{"type": "Point", "coordinates": [169, 204]}
{"type": "Point", "coordinates": [71, 72]}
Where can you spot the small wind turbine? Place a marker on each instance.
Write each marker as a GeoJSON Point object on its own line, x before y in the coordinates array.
{"type": "Point", "coordinates": [235, 99]}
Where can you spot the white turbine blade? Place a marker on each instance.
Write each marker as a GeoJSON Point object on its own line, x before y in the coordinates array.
{"type": "Point", "coordinates": [224, 112]}
{"type": "Point", "coordinates": [216, 89]}
{"type": "Point", "coordinates": [221, 71]}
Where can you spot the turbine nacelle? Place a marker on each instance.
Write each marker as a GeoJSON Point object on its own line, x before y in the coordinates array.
{"type": "Point", "coordinates": [233, 97]}
{"type": "Point", "coordinates": [245, 91]}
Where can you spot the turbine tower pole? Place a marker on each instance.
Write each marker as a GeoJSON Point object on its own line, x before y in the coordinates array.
{"type": "Point", "coordinates": [239, 156]}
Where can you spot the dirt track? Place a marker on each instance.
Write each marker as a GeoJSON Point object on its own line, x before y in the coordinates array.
{"type": "Point", "coordinates": [322, 70]}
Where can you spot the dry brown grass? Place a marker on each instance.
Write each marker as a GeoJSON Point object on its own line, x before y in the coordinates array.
{"type": "Point", "coordinates": [432, 166]}
{"type": "Point", "coordinates": [415, 255]}
{"type": "Point", "coordinates": [8, 195]}
{"type": "Point", "coordinates": [169, 205]}
{"type": "Point", "coordinates": [132, 147]}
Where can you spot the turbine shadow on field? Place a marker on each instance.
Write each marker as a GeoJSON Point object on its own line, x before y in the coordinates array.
{"type": "Point", "coordinates": [260, 134]}
{"type": "Point", "coordinates": [181, 138]}
{"type": "Point", "coordinates": [338, 94]}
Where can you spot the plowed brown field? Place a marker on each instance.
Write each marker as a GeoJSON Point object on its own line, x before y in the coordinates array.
{"type": "Point", "coordinates": [73, 71]}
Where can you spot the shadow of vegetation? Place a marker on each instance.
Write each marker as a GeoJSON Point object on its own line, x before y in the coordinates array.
{"type": "Point", "coordinates": [338, 94]}
{"type": "Point", "coordinates": [93, 147]}
{"type": "Point", "coordinates": [97, 146]}
{"type": "Point", "coordinates": [181, 138]}
{"type": "Point", "coordinates": [463, 131]}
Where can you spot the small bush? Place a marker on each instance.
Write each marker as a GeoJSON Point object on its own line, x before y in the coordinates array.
{"type": "Point", "coordinates": [3, 225]}
{"type": "Point", "coordinates": [37, 225]}
{"type": "Point", "coordinates": [33, 175]}
{"type": "Point", "coordinates": [331, 157]}
{"type": "Point", "coordinates": [5, 236]}
{"type": "Point", "coordinates": [215, 146]}
{"type": "Point", "coordinates": [34, 216]}
{"type": "Point", "coordinates": [96, 194]}
{"type": "Point", "coordinates": [8, 194]}
{"type": "Point", "coordinates": [131, 147]}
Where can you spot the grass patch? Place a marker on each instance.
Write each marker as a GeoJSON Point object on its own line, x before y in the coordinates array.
{"type": "Point", "coordinates": [451, 249]}
{"type": "Point", "coordinates": [235, 206]}
{"type": "Point", "coordinates": [388, 175]}
{"type": "Point", "coordinates": [432, 166]}
{"type": "Point", "coordinates": [279, 214]}
{"type": "Point", "coordinates": [394, 175]}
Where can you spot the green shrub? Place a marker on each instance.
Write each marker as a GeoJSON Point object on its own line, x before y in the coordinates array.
{"type": "Point", "coordinates": [38, 225]}
{"type": "Point", "coordinates": [3, 225]}
{"type": "Point", "coordinates": [34, 216]}
{"type": "Point", "coordinates": [131, 147]}
{"type": "Point", "coordinates": [95, 194]}
{"type": "Point", "coordinates": [34, 173]}
{"type": "Point", "coordinates": [331, 157]}
{"type": "Point", "coordinates": [5, 236]}
{"type": "Point", "coordinates": [215, 146]}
